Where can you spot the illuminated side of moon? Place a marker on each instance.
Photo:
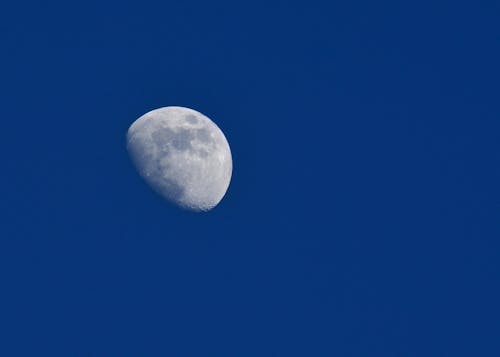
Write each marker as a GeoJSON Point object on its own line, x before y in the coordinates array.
{"type": "Point", "coordinates": [182, 155]}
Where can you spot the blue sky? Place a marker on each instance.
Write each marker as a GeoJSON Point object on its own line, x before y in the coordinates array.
{"type": "Point", "coordinates": [362, 216]}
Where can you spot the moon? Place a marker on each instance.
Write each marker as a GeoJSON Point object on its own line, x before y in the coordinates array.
{"type": "Point", "coordinates": [182, 155]}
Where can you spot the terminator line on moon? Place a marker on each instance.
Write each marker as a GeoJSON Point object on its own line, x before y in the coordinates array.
{"type": "Point", "coordinates": [182, 155]}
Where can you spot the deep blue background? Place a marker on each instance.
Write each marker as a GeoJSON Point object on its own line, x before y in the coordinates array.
{"type": "Point", "coordinates": [362, 217]}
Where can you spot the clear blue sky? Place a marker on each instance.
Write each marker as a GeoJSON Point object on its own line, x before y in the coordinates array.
{"type": "Point", "coordinates": [362, 217]}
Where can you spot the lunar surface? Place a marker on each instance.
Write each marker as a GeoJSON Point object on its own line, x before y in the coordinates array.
{"type": "Point", "coordinates": [182, 155]}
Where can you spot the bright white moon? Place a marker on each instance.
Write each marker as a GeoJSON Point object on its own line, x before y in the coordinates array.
{"type": "Point", "coordinates": [182, 155]}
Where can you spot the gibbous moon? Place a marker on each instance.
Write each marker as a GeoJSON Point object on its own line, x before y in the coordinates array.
{"type": "Point", "coordinates": [182, 155]}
